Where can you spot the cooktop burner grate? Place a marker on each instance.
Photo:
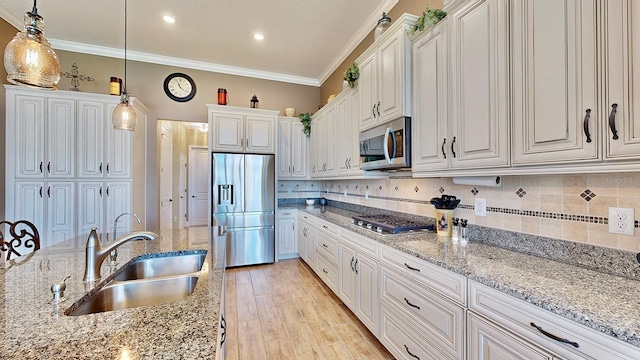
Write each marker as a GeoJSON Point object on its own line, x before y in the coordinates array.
{"type": "Point", "coordinates": [389, 223]}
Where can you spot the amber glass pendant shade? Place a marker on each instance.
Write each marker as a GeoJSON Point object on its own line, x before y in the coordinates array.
{"type": "Point", "coordinates": [29, 59]}
{"type": "Point", "coordinates": [124, 116]}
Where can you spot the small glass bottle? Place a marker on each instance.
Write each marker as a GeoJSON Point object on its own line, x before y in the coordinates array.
{"type": "Point", "coordinates": [383, 24]}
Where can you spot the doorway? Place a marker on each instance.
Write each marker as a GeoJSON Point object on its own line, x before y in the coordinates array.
{"type": "Point", "coordinates": [198, 185]}
{"type": "Point", "coordinates": [166, 175]}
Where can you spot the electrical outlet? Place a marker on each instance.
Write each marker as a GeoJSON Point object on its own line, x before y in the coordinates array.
{"type": "Point", "coordinates": [289, 191]}
{"type": "Point", "coordinates": [621, 221]}
{"type": "Point", "coordinates": [366, 194]}
{"type": "Point", "coordinates": [481, 207]}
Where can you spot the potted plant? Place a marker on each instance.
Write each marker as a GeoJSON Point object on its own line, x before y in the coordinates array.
{"type": "Point", "coordinates": [305, 119]}
{"type": "Point", "coordinates": [429, 18]}
{"type": "Point", "coordinates": [351, 75]}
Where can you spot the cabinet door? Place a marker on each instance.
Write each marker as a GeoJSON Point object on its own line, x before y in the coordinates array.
{"type": "Point", "coordinates": [227, 132]}
{"type": "Point", "coordinates": [302, 238]}
{"type": "Point", "coordinates": [343, 133]}
{"type": "Point", "coordinates": [390, 84]}
{"type": "Point", "coordinates": [621, 103]}
{"type": "Point", "coordinates": [366, 290]}
{"type": "Point", "coordinates": [479, 86]}
{"type": "Point", "coordinates": [284, 148]}
{"type": "Point", "coordinates": [554, 81]}
{"type": "Point", "coordinates": [429, 123]}
{"type": "Point", "coordinates": [260, 134]}
{"type": "Point", "coordinates": [346, 275]}
{"type": "Point", "coordinates": [286, 237]}
{"type": "Point", "coordinates": [119, 150]}
{"type": "Point", "coordinates": [61, 138]}
{"type": "Point", "coordinates": [28, 204]}
{"type": "Point", "coordinates": [118, 201]}
{"type": "Point", "coordinates": [29, 134]}
{"type": "Point", "coordinates": [489, 342]}
{"type": "Point", "coordinates": [91, 208]}
{"type": "Point", "coordinates": [330, 146]}
{"type": "Point", "coordinates": [310, 248]}
{"type": "Point", "coordinates": [317, 146]}
{"type": "Point", "coordinates": [299, 150]}
{"type": "Point", "coordinates": [60, 212]}
{"type": "Point", "coordinates": [368, 90]}
{"type": "Point", "coordinates": [354, 154]}
{"type": "Point", "coordinates": [91, 130]}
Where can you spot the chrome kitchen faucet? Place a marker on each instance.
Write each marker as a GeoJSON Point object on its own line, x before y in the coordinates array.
{"type": "Point", "coordinates": [113, 256]}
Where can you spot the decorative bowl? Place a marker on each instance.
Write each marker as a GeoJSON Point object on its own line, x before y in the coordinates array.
{"type": "Point", "coordinates": [310, 201]}
{"type": "Point", "coordinates": [290, 111]}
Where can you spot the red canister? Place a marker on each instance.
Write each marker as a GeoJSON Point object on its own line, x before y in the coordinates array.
{"type": "Point", "coordinates": [222, 96]}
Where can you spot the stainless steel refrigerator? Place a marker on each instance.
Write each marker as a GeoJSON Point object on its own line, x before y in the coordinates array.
{"type": "Point", "coordinates": [243, 192]}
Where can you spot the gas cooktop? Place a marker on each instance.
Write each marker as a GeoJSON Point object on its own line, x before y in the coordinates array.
{"type": "Point", "coordinates": [389, 224]}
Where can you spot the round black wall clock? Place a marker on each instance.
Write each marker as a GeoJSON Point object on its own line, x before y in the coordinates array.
{"type": "Point", "coordinates": [179, 87]}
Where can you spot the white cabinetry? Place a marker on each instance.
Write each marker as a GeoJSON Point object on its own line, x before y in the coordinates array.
{"type": "Point", "coordinates": [327, 253]}
{"type": "Point", "coordinates": [63, 140]}
{"type": "Point", "coordinates": [234, 129]}
{"type": "Point", "coordinates": [385, 76]}
{"type": "Point", "coordinates": [619, 36]}
{"type": "Point", "coordinates": [307, 237]}
{"type": "Point", "coordinates": [554, 68]}
{"type": "Point", "coordinates": [358, 277]}
{"type": "Point", "coordinates": [479, 86]}
{"type": "Point", "coordinates": [292, 151]}
{"type": "Point", "coordinates": [286, 235]}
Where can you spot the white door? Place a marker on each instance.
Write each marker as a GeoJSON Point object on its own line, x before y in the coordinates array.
{"type": "Point", "coordinates": [182, 190]}
{"type": "Point", "coordinates": [260, 134]}
{"type": "Point", "coordinates": [347, 276]}
{"type": "Point", "coordinates": [91, 129]}
{"type": "Point", "coordinates": [198, 185]}
{"type": "Point", "coordinates": [29, 204]}
{"type": "Point", "coordinates": [343, 133]}
{"type": "Point", "coordinates": [389, 105]}
{"type": "Point", "coordinates": [29, 132]}
{"type": "Point", "coordinates": [286, 237]}
{"type": "Point", "coordinates": [366, 290]}
{"type": "Point", "coordinates": [329, 133]}
{"type": "Point", "coordinates": [61, 138]}
{"type": "Point", "coordinates": [118, 199]}
{"type": "Point", "coordinates": [119, 150]}
{"type": "Point", "coordinates": [166, 153]}
{"type": "Point", "coordinates": [90, 207]}
{"type": "Point", "coordinates": [228, 132]}
{"type": "Point", "coordinates": [368, 91]}
{"type": "Point", "coordinates": [60, 212]}
{"type": "Point", "coordinates": [299, 150]}
{"type": "Point", "coordinates": [285, 145]}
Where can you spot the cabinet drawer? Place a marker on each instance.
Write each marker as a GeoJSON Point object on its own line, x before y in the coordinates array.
{"type": "Point", "coordinates": [306, 217]}
{"type": "Point", "coordinates": [441, 280]}
{"type": "Point", "coordinates": [361, 243]}
{"type": "Point", "coordinates": [442, 321]}
{"type": "Point", "coordinates": [327, 227]}
{"type": "Point", "coordinates": [395, 335]}
{"type": "Point", "coordinates": [518, 315]}
{"type": "Point", "coordinates": [287, 213]}
{"type": "Point", "coordinates": [327, 272]}
{"type": "Point", "coordinates": [329, 246]}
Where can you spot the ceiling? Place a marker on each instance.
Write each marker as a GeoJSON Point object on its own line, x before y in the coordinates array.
{"type": "Point", "coordinates": [305, 40]}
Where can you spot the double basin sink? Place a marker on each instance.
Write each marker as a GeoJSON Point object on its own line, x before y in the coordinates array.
{"type": "Point", "coordinates": [147, 280]}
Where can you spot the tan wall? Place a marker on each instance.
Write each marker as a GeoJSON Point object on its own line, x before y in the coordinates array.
{"type": "Point", "coordinates": [7, 32]}
{"type": "Point", "coordinates": [333, 84]}
{"type": "Point", "coordinates": [145, 82]}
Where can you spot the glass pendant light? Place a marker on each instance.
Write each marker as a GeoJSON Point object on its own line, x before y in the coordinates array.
{"type": "Point", "coordinates": [383, 24]}
{"type": "Point", "coordinates": [124, 116]}
{"type": "Point", "coordinates": [29, 59]}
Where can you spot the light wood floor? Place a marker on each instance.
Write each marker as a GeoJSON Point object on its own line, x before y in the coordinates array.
{"type": "Point", "coordinates": [284, 311]}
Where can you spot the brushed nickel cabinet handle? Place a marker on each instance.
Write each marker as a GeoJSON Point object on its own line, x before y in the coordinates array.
{"type": "Point", "coordinates": [612, 121]}
{"type": "Point", "coordinates": [373, 111]}
{"type": "Point", "coordinates": [444, 154]}
{"type": "Point", "coordinates": [587, 116]}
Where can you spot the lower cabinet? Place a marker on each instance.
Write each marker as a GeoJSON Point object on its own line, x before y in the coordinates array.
{"type": "Point", "coordinates": [327, 253]}
{"type": "Point", "coordinates": [286, 235]}
{"type": "Point", "coordinates": [307, 239]}
{"type": "Point", "coordinates": [100, 203]}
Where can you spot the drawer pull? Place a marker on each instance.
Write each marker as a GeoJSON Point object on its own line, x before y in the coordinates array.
{"type": "Point", "coordinates": [325, 226]}
{"type": "Point", "coordinates": [410, 304]}
{"type": "Point", "coordinates": [444, 142]}
{"type": "Point", "coordinates": [324, 245]}
{"type": "Point", "coordinates": [324, 271]}
{"type": "Point", "coordinates": [223, 326]}
{"type": "Point", "coordinates": [586, 125]}
{"type": "Point", "coordinates": [352, 269]}
{"type": "Point", "coordinates": [411, 268]}
{"type": "Point", "coordinates": [409, 352]}
{"type": "Point", "coordinates": [556, 338]}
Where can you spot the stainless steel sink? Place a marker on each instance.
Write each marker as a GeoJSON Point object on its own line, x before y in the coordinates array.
{"type": "Point", "coordinates": [146, 268]}
{"type": "Point", "coordinates": [130, 294]}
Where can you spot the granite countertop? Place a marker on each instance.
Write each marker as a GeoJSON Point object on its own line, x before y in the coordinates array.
{"type": "Point", "coordinates": [601, 301]}
{"type": "Point", "coordinates": [184, 329]}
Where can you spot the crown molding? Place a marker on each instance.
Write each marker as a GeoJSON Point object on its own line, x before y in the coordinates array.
{"type": "Point", "coordinates": [362, 33]}
{"type": "Point", "coordinates": [178, 62]}
{"type": "Point", "coordinates": [13, 20]}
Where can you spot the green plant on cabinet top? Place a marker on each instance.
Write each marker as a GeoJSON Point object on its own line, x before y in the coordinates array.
{"type": "Point", "coordinates": [305, 119]}
{"type": "Point", "coordinates": [429, 18]}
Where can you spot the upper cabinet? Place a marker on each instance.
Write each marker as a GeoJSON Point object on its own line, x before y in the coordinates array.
{"type": "Point", "coordinates": [292, 151]}
{"type": "Point", "coordinates": [554, 85]}
{"type": "Point", "coordinates": [385, 76]}
{"type": "Point", "coordinates": [235, 129]}
{"type": "Point", "coordinates": [620, 110]}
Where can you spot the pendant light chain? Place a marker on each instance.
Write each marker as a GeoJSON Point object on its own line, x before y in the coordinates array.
{"type": "Point", "coordinates": [125, 47]}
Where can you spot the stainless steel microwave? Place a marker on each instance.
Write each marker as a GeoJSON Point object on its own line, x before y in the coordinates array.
{"type": "Point", "coordinates": [387, 146]}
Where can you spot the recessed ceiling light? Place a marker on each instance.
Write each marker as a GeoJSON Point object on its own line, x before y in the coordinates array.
{"type": "Point", "coordinates": [258, 36]}
{"type": "Point", "coordinates": [168, 19]}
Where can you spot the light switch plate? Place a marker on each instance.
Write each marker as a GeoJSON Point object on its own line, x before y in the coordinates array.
{"type": "Point", "coordinates": [366, 194]}
{"type": "Point", "coordinates": [481, 207]}
{"type": "Point", "coordinates": [621, 221]}
{"type": "Point", "coordinates": [345, 193]}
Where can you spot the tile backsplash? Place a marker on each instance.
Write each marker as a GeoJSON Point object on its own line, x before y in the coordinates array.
{"type": "Point", "coordinates": [566, 207]}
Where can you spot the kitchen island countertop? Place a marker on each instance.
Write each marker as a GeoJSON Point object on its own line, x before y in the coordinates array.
{"type": "Point", "coordinates": [184, 329]}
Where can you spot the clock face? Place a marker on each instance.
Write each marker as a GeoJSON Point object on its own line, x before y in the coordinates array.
{"type": "Point", "coordinates": [179, 87]}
